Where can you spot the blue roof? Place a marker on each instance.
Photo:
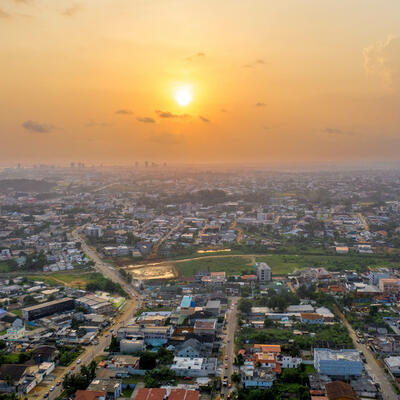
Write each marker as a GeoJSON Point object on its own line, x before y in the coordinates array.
{"type": "Point", "coordinates": [186, 300]}
{"type": "Point", "coordinates": [2, 311]}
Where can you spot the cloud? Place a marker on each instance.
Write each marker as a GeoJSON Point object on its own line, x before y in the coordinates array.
{"type": "Point", "coordinates": [260, 104]}
{"type": "Point", "coordinates": [195, 56]}
{"type": "Point", "coordinates": [124, 111]}
{"type": "Point", "coordinates": [95, 124]}
{"type": "Point", "coordinates": [146, 120]}
{"type": "Point", "coordinates": [168, 114]}
{"type": "Point", "coordinates": [224, 110]}
{"type": "Point", "coordinates": [72, 10]}
{"type": "Point", "coordinates": [166, 138]}
{"type": "Point", "coordinates": [37, 127]}
{"type": "Point", "coordinates": [3, 14]}
{"type": "Point", "coordinates": [204, 119]}
{"type": "Point", "coordinates": [382, 58]}
{"type": "Point", "coordinates": [253, 64]}
{"type": "Point", "coordinates": [337, 131]}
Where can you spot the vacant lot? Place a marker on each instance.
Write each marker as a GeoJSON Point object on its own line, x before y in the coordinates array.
{"type": "Point", "coordinates": [284, 264]}
{"type": "Point", "coordinates": [231, 265]}
{"type": "Point", "coordinates": [76, 279]}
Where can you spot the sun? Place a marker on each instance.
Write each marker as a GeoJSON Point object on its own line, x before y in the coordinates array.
{"type": "Point", "coordinates": [183, 96]}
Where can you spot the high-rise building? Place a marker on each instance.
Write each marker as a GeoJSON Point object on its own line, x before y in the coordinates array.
{"type": "Point", "coordinates": [263, 272]}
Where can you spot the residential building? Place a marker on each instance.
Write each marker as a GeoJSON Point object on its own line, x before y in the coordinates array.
{"type": "Point", "coordinates": [338, 363]}
{"type": "Point", "coordinates": [263, 271]}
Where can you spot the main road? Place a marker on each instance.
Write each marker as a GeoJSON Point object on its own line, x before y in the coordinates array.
{"type": "Point", "coordinates": [229, 341]}
{"type": "Point", "coordinates": [131, 306]}
{"type": "Point", "coordinates": [374, 369]}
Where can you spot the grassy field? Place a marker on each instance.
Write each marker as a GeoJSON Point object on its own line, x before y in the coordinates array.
{"type": "Point", "coordinates": [284, 264]}
{"type": "Point", "coordinates": [231, 265]}
{"type": "Point", "coordinates": [4, 267]}
{"type": "Point", "coordinates": [69, 278]}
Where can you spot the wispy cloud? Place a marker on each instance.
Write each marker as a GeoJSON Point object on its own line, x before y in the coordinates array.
{"type": "Point", "coordinates": [255, 63]}
{"type": "Point", "coordinates": [4, 14]}
{"type": "Point", "coordinates": [260, 104]}
{"type": "Point", "coordinates": [195, 56]}
{"type": "Point", "coordinates": [38, 127]}
{"type": "Point", "coordinates": [124, 111]}
{"type": "Point", "coordinates": [168, 114]}
{"type": "Point", "coordinates": [146, 120]}
{"type": "Point", "coordinates": [337, 131]}
{"type": "Point", "coordinates": [72, 10]}
{"type": "Point", "coordinates": [204, 119]}
{"type": "Point", "coordinates": [382, 58]}
{"type": "Point", "coordinates": [96, 124]}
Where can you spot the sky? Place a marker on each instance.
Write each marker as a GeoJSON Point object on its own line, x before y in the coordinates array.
{"type": "Point", "coordinates": [271, 81]}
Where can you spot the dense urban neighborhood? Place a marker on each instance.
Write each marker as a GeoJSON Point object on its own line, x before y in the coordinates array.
{"type": "Point", "coordinates": [152, 282]}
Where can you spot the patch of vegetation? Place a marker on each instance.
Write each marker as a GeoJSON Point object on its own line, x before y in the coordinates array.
{"type": "Point", "coordinates": [335, 335]}
{"type": "Point", "coordinates": [99, 282]}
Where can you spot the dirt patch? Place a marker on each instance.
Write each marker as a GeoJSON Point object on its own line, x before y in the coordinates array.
{"type": "Point", "coordinates": [151, 272]}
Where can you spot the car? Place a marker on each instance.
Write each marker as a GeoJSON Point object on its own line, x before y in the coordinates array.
{"type": "Point", "coordinates": [226, 358]}
{"type": "Point", "coordinates": [73, 368]}
{"type": "Point", "coordinates": [187, 378]}
{"type": "Point", "coordinates": [52, 388]}
{"type": "Point", "coordinates": [46, 395]}
{"type": "Point", "coordinates": [79, 361]}
{"type": "Point", "coordinates": [226, 366]}
{"type": "Point", "coordinates": [96, 342]}
{"type": "Point", "coordinates": [225, 382]}
{"type": "Point", "coordinates": [229, 385]}
{"type": "Point", "coordinates": [58, 383]}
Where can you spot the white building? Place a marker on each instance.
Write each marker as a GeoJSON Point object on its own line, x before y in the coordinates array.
{"type": "Point", "coordinates": [393, 364]}
{"type": "Point", "coordinates": [129, 346]}
{"type": "Point", "coordinates": [195, 367]}
{"type": "Point", "coordinates": [263, 272]}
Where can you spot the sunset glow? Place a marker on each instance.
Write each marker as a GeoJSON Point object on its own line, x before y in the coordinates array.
{"type": "Point", "coordinates": [183, 96]}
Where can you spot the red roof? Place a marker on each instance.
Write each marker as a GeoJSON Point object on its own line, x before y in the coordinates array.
{"type": "Point", "coordinates": [89, 394]}
{"type": "Point", "coordinates": [183, 394]}
{"type": "Point", "coordinates": [151, 394]}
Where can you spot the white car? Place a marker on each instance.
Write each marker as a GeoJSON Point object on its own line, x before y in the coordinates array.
{"type": "Point", "coordinates": [79, 361]}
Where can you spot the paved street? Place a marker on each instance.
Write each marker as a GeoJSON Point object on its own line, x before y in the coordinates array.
{"type": "Point", "coordinates": [377, 372]}
{"type": "Point", "coordinates": [229, 354]}
{"type": "Point", "coordinates": [90, 352]}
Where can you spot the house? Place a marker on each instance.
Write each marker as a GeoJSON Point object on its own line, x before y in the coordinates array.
{"type": "Point", "coordinates": [205, 326]}
{"type": "Point", "coordinates": [192, 348]}
{"type": "Point", "coordinates": [195, 367]}
{"type": "Point", "coordinates": [151, 394]}
{"type": "Point", "coordinates": [256, 377]}
{"type": "Point", "coordinates": [214, 307]}
{"type": "Point", "coordinates": [44, 354]}
{"type": "Point", "coordinates": [338, 390]}
{"type": "Point", "coordinates": [17, 378]}
{"type": "Point", "coordinates": [90, 395]}
{"type": "Point", "coordinates": [393, 365]}
{"type": "Point", "coordinates": [311, 318]}
{"type": "Point", "coordinates": [112, 387]}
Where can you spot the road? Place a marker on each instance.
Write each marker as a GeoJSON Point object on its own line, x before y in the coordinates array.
{"type": "Point", "coordinates": [374, 369]}
{"type": "Point", "coordinates": [154, 252]}
{"type": "Point", "coordinates": [363, 221]}
{"type": "Point", "coordinates": [131, 307]}
{"type": "Point", "coordinates": [229, 341]}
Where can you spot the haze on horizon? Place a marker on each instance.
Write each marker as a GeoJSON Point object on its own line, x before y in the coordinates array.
{"type": "Point", "coordinates": [200, 81]}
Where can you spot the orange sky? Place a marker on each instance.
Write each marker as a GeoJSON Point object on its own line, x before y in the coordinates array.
{"type": "Point", "coordinates": [272, 81]}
